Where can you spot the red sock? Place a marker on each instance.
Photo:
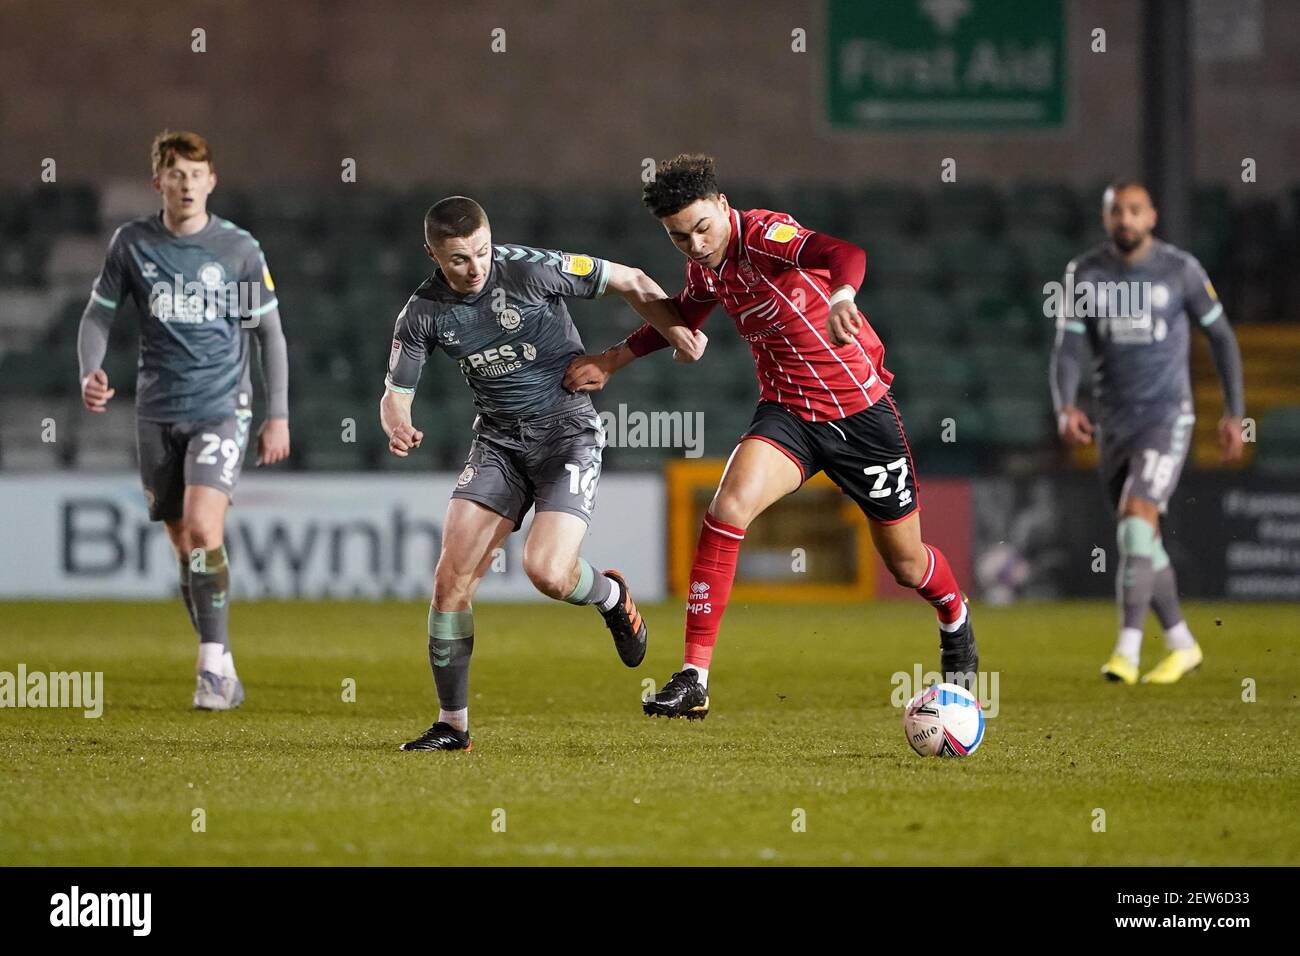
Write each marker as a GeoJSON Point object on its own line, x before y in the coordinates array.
{"type": "Point", "coordinates": [939, 587]}
{"type": "Point", "coordinates": [712, 572]}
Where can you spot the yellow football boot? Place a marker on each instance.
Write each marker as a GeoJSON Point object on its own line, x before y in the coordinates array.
{"type": "Point", "coordinates": [1120, 669]}
{"type": "Point", "coordinates": [1172, 668]}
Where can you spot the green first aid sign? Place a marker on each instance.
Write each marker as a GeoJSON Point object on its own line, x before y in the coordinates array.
{"type": "Point", "coordinates": [945, 64]}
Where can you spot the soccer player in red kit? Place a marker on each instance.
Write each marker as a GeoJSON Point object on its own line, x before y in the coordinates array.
{"type": "Point", "coordinates": [824, 406]}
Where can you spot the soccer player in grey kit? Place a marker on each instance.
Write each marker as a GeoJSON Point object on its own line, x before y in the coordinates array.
{"type": "Point", "coordinates": [1130, 301]}
{"type": "Point", "coordinates": [499, 312]}
{"type": "Point", "coordinates": [204, 291]}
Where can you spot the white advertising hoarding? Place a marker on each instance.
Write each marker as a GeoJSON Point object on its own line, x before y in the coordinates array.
{"type": "Point", "coordinates": [367, 535]}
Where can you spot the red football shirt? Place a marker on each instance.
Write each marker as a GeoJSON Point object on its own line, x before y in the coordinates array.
{"type": "Point", "coordinates": [780, 309]}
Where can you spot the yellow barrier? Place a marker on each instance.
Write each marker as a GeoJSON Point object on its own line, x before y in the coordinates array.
{"type": "Point", "coordinates": [818, 527]}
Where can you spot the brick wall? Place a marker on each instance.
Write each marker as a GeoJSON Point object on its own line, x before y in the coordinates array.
{"type": "Point", "coordinates": [584, 92]}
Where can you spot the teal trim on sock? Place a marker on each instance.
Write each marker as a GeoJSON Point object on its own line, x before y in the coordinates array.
{"type": "Point", "coordinates": [582, 590]}
{"type": "Point", "coordinates": [1159, 557]}
{"type": "Point", "coordinates": [216, 559]}
{"type": "Point", "coordinates": [210, 561]}
{"type": "Point", "coordinates": [1136, 537]}
{"type": "Point", "coordinates": [451, 625]}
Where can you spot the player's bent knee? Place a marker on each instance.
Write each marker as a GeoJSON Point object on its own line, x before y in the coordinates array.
{"type": "Point", "coordinates": [1149, 511]}
{"type": "Point", "coordinates": [452, 588]}
{"type": "Point", "coordinates": [548, 578]}
{"type": "Point", "coordinates": [908, 571]}
{"type": "Point", "coordinates": [176, 535]}
{"type": "Point", "coordinates": [200, 536]}
{"type": "Point", "coordinates": [452, 592]}
{"type": "Point", "coordinates": [1136, 536]}
{"type": "Point", "coordinates": [732, 508]}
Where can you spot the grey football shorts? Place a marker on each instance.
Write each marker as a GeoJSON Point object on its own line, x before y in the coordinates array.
{"type": "Point", "coordinates": [176, 454]}
{"type": "Point", "coordinates": [1148, 464]}
{"type": "Point", "coordinates": [552, 463]}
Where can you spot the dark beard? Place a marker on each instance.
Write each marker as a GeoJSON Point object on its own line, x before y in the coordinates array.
{"type": "Point", "coordinates": [1126, 245]}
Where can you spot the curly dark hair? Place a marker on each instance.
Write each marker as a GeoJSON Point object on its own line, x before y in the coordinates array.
{"type": "Point", "coordinates": [679, 182]}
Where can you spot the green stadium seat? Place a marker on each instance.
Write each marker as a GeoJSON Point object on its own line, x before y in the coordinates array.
{"type": "Point", "coordinates": [818, 206]}
{"type": "Point", "coordinates": [975, 304]}
{"type": "Point", "coordinates": [1277, 451]}
{"type": "Point", "coordinates": [297, 209]}
{"type": "Point", "coordinates": [900, 315]}
{"type": "Point", "coordinates": [1018, 422]}
{"type": "Point", "coordinates": [37, 373]}
{"type": "Point", "coordinates": [12, 263]}
{"type": "Point", "coordinates": [514, 211]}
{"type": "Point", "coordinates": [1043, 253]}
{"type": "Point", "coordinates": [580, 220]}
{"type": "Point", "coordinates": [954, 207]}
{"type": "Point", "coordinates": [65, 207]}
{"type": "Point", "coordinates": [965, 253]}
{"type": "Point", "coordinates": [990, 319]}
{"type": "Point", "coordinates": [723, 426]}
{"type": "Point", "coordinates": [757, 196]}
{"type": "Point", "coordinates": [875, 210]}
{"type": "Point", "coordinates": [961, 266]}
{"type": "Point", "coordinates": [237, 206]}
{"type": "Point", "coordinates": [1024, 375]}
{"type": "Point", "coordinates": [319, 432]}
{"type": "Point", "coordinates": [989, 360]}
{"type": "Point", "coordinates": [23, 263]}
{"type": "Point", "coordinates": [926, 419]}
{"type": "Point", "coordinates": [14, 212]}
{"type": "Point", "coordinates": [897, 262]}
{"type": "Point", "coordinates": [1211, 225]}
{"type": "Point", "coordinates": [920, 370]}
{"type": "Point", "coordinates": [21, 444]}
{"type": "Point", "coordinates": [363, 212]}
{"type": "Point", "coordinates": [1049, 207]}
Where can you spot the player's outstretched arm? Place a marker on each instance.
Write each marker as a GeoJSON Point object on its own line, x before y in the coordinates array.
{"type": "Point", "coordinates": [589, 373]}
{"type": "Point", "coordinates": [273, 352]}
{"type": "Point", "coordinates": [395, 418]}
{"type": "Point", "coordinates": [643, 294]}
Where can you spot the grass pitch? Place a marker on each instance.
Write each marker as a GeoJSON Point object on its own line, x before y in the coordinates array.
{"type": "Point", "coordinates": [802, 720]}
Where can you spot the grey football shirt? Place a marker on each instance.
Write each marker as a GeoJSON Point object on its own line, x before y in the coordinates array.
{"type": "Point", "coordinates": [1136, 320]}
{"type": "Point", "coordinates": [199, 297]}
{"type": "Point", "coordinates": [513, 339]}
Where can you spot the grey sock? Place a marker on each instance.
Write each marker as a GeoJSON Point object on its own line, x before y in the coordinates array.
{"type": "Point", "coordinates": [1136, 575]}
{"type": "Point", "coordinates": [186, 595]}
{"type": "Point", "coordinates": [592, 587]}
{"type": "Point", "coordinates": [451, 642]}
{"type": "Point", "coordinates": [209, 593]}
{"type": "Point", "coordinates": [1164, 594]}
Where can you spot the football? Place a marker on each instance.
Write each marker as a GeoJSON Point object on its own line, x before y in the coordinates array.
{"type": "Point", "coordinates": [944, 720]}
